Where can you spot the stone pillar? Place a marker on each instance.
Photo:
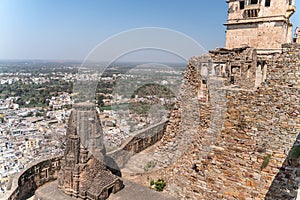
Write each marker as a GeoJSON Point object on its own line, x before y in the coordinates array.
{"type": "Point", "coordinates": [258, 76]}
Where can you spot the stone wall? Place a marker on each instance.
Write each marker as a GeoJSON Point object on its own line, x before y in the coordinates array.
{"type": "Point", "coordinates": [235, 36]}
{"type": "Point", "coordinates": [37, 174]}
{"type": "Point", "coordinates": [287, 182]}
{"type": "Point", "coordinates": [241, 148]}
{"type": "Point", "coordinates": [184, 123]}
{"type": "Point", "coordinates": [286, 67]}
{"type": "Point", "coordinates": [138, 142]}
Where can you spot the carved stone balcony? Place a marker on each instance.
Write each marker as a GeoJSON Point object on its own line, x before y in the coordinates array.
{"type": "Point", "coordinates": [251, 13]}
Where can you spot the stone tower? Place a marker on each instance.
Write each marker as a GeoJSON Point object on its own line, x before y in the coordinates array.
{"type": "Point", "coordinates": [84, 173]}
{"type": "Point", "coordinates": [262, 24]}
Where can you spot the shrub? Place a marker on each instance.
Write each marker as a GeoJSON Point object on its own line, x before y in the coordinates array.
{"type": "Point", "coordinates": [160, 185]}
{"type": "Point", "coordinates": [295, 152]}
{"type": "Point", "coordinates": [152, 182]}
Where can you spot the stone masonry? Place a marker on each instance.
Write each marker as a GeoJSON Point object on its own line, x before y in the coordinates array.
{"type": "Point", "coordinates": [246, 144]}
{"type": "Point", "coordinates": [84, 172]}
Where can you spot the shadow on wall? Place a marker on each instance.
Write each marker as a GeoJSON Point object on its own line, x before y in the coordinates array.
{"type": "Point", "coordinates": [113, 166]}
{"type": "Point", "coordinates": [287, 181]}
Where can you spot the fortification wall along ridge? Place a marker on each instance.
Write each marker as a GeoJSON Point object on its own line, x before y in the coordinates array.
{"type": "Point", "coordinates": [254, 152]}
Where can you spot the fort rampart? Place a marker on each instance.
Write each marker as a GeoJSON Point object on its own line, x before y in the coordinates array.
{"type": "Point", "coordinates": [138, 142]}
{"type": "Point", "coordinates": [24, 184]}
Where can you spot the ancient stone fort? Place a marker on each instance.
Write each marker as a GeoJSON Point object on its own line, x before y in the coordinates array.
{"type": "Point", "coordinates": [234, 132]}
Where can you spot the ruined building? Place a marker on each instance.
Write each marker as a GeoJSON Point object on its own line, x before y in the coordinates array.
{"type": "Point", "coordinates": [84, 173]}
{"type": "Point", "coordinates": [252, 22]}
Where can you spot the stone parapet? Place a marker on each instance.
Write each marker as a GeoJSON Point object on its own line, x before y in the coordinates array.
{"type": "Point", "coordinates": [25, 183]}
{"type": "Point", "coordinates": [138, 142]}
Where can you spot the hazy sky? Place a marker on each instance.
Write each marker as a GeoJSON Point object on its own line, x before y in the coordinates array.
{"type": "Point", "coordinates": [70, 29]}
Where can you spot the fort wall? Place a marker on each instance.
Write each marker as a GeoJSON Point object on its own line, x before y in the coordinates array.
{"type": "Point", "coordinates": [37, 174]}
{"type": "Point", "coordinates": [250, 150]}
{"type": "Point", "coordinates": [138, 142]}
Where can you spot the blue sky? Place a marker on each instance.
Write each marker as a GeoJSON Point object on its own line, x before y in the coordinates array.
{"type": "Point", "coordinates": [69, 29]}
